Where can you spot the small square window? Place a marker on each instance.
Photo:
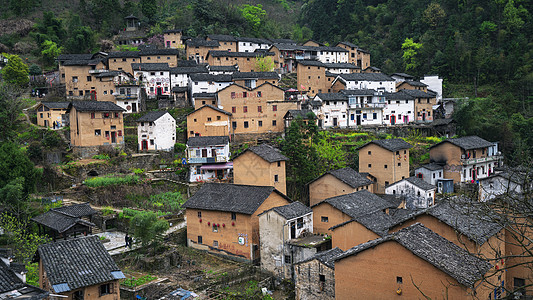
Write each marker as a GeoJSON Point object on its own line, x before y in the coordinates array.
{"type": "Point", "coordinates": [324, 219]}
{"type": "Point", "coordinates": [274, 123]}
{"type": "Point", "coordinates": [199, 214]}
{"type": "Point", "coordinates": [386, 183]}
{"type": "Point", "coordinates": [215, 244]}
{"type": "Point", "coordinates": [385, 166]}
{"type": "Point", "coordinates": [369, 152]}
{"type": "Point", "coordinates": [399, 280]}
{"type": "Point", "coordinates": [288, 259]}
{"type": "Point", "coordinates": [322, 278]}
{"type": "Point", "coordinates": [399, 164]}
{"type": "Point", "coordinates": [97, 132]}
{"type": "Point", "coordinates": [370, 165]}
{"type": "Point", "coordinates": [279, 163]}
{"type": "Point", "coordinates": [234, 216]}
{"type": "Point", "coordinates": [260, 123]}
{"type": "Point", "coordinates": [200, 239]}
{"type": "Point", "coordinates": [246, 124]}
{"type": "Point", "coordinates": [276, 178]}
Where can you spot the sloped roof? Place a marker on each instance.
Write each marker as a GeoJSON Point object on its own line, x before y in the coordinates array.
{"type": "Point", "coordinates": [211, 77]}
{"type": "Point", "coordinates": [332, 97]}
{"type": "Point", "coordinates": [433, 248]}
{"type": "Point", "coordinates": [415, 83]}
{"type": "Point", "coordinates": [439, 122]}
{"type": "Point", "coordinates": [201, 43]}
{"type": "Point", "coordinates": [226, 53]}
{"type": "Point", "coordinates": [222, 37]}
{"type": "Point", "coordinates": [95, 106]}
{"type": "Point", "coordinates": [15, 288]}
{"type": "Point", "coordinates": [418, 94]}
{"type": "Point", "coordinates": [326, 257]}
{"type": "Point", "coordinates": [189, 63]}
{"type": "Point", "coordinates": [267, 153]}
{"type": "Point", "coordinates": [349, 44]}
{"type": "Point", "coordinates": [201, 141]}
{"type": "Point", "coordinates": [59, 222]}
{"type": "Point", "coordinates": [341, 66]}
{"type": "Point", "coordinates": [244, 199]}
{"type": "Point", "coordinates": [124, 54]}
{"type": "Point", "coordinates": [76, 210]}
{"type": "Point", "coordinates": [417, 182]}
{"type": "Point", "coordinates": [432, 166]}
{"type": "Point", "coordinates": [299, 113]}
{"type": "Point", "coordinates": [291, 211]}
{"type": "Point", "coordinates": [404, 75]}
{"type": "Point", "coordinates": [314, 63]}
{"type": "Point", "coordinates": [152, 116]}
{"type": "Point", "coordinates": [390, 144]}
{"type": "Point", "coordinates": [366, 77]}
{"type": "Point", "coordinates": [348, 176]}
{"type": "Point", "coordinates": [468, 142]}
{"type": "Point", "coordinates": [77, 263]}
{"type": "Point", "coordinates": [357, 204]}
{"type": "Point", "coordinates": [233, 68]}
{"type": "Point", "coordinates": [150, 67]}
{"type": "Point", "coordinates": [56, 105]}
{"type": "Point", "coordinates": [8, 280]}
{"type": "Point", "coordinates": [400, 95]}
{"type": "Point", "coordinates": [255, 75]}
{"type": "Point", "coordinates": [212, 107]}
{"type": "Point", "coordinates": [358, 92]}
{"type": "Point", "coordinates": [188, 70]}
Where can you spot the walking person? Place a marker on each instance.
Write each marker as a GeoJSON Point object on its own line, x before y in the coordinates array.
{"type": "Point", "coordinates": [127, 240]}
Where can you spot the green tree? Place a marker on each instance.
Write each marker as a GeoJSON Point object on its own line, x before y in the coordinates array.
{"type": "Point", "coordinates": [148, 228]}
{"type": "Point", "coordinates": [149, 8]}
{"type": "Point", "coordinates": [10, 109]}
{"type": "Point", "coordinates": [264, 64]}
{"type": "Point", "coordinates": [24, 242]}
{"type": "Point", "coordinates": [331, 155]}
{"type": "Point", "coordinates": [50, 52]}
{"type": "Point", "coordinates": [35, 70]}
{"type": "Point", "coordinates": [410, 51]}
{"type": "Point", "coordinates": [434, 14]}
{"type": "Point", "coordinates": [512, 18]}
{"type": "Point", "coordinates": [82, 40]}
{"type": "Point", "coordinates": [16, 71]}
{"type": "Point", "coordinates": [254, 15]}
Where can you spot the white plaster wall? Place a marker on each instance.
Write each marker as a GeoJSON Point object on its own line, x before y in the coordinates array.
{"type": "Point", "coordinates": [162, 131]}
{"type": "Point", "coordinates": [434, 83]}
{"type": "Point", "coordinates": [404, 108]}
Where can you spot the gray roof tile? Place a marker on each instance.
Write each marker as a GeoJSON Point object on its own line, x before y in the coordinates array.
{"type": "Point", "coordinates": [348, 176]}
{"type": "Point", "coordinates": [151, 116]}
{"type": "Point", "coordinates": [56, 105]}
{"type": "Point", "coordinates": [326, 257]}
{"type": "Point", "coordinates": [213, 107]}
{"type": "Point", "coordinates": [468, 142]}
{"type": "Point", "coordinates": [357, 204]}
{"type": "Point", "coordinates": [201, 141]}
{"type": "Point", "coordinates": [150, 67]}
{"type": "Point", "coordinates": [211, 77]}
{"type": "Point", "coordinates": [268, 153]}
{"type": "Point", "coordinates": [291, 211]}
{"type": "Point", "coordinates": [95, 106]}
{"type": "Point", "coordinates": [366, 77]}
{"type": "Point", "coordinates": [79, 262]}
{"type": "Point", "coordinates": [255, 75]}
{"type": "Point", "coordinates": [432, 167]}
{"type": "Point", "coordinates": [76, 210]}
{"type": "Point", "coordinates": [390, 144]}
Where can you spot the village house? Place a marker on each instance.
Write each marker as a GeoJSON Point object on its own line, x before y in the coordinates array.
{"type": "Point", "coordinates": [356, 55]}
{"type": "Point", "coordinates": [95, 123]}
{"type": "Point", "coordinates": [305, 115]}
{"type": "Point", "coordinates": [128, 95]}
{"type": "Point", "coordinates": [253, 79]}
{"type": "Point", "coordinates": [223, 218]}
{"type": "Point", "coordinates": [315, 276]}
{"type": "Point", "coordinates": [434, 83]}
{"type": "Point", "coordinates": [365, 107]}
{"type": "Point", "coordinates": [514, 183]}
{"type": "Point", "coordinates": [423, 262]}
{"type": "Point", "coordinates": [62, 58]}
{"type": "Point", "coordinates": [13, 280]}
{"type": "Point", "coordinates": [371, 70]}
{"type": "Point", "coordinates": [339, 209]}
{"type": "Point", "coordinates": [248, 44]}
{"type": "Point", "coordinates": [247, 61]}
{"type": "Point", "coordinates": [417, 192]}
{"type": "Point", "coordinates": [466, 159]}
{"type": "Point", "coordinates": [386, 160]}
{"type": "Point", "coordinates": [208, 158]}
{"type": "Point", "coordinates": [256, 112]}
{"type": "Point", "coordinates": [412, 85]}
{"type": "Point", "coordinates": [340, 68]}
{"type": "Point", "coordinates": [66, 221]}
{"type": "Point", "coordinates": [402, 77]}
{"type": "Point", "coordinates": [311, 77]}
{"type": "Point", "coordinates": [79, 75]}
{"type": "Point", "coordinates": [201, 84]}
{"type": "Point", "coordinates": [79, 268]}
{"type": "Point", "coordinates": [179, 76]}
{"type": "Point", "coordinates": [424, 103]}
{"type": "Point", "coordinates": [49, 113]}
{"type": "Point", "coordinates": [172, 38]}
{"type": "Point", "coordinates": [430, 173]}
{"type": "Point", "coordinates": [286, 55]}
{"type": "Point", "coordinates": [277, 226]}
{"type": "Point", "coordinates": [371, 81]}
{"type": "Point", "coordinates": [399, 109]}
{"type": "Point", "coordinates": [223, 70]}
{"type": "Point", "coordinates": [160, 56]}
{"type": "Point", "coordinates": [262, 164]}
{"type": "Point", "coordinates": [122, 60]}
{"type": "Point", "coordinates": [156, 131]}
{"type": "Point", "coordinates": [154, 78]}
{"type": "Point", "coordinates": [197, 49]}
{"type": "Point", "coordinates": [334, 107]}
{"type": "Point", "coordinates": [227, 42]}
{"type": "Point", "coordinates": [336, 183]}
{"type": "Point", "coordinates": [208, 120]}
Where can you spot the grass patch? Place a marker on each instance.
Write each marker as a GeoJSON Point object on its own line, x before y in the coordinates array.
{"type": "Point", "coordinates": [111, 180]}
{"type": "Point", "coordinates": [133, 282]}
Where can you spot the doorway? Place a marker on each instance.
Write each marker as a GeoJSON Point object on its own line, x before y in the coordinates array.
{"type": "Point", "coordinates": [113, 137]}
{"type": "Point", "coordinates": [134, 107]}
{"type": "Point", "coordinates": [358, 120]}
{"type": "Point", "coordinates": [144, 145]}
{"type": "Point", "coordinates": [159, 91]}
{"type": "Point", "coordinates": [392, 120]}
{"type": "Point", "coordinates": [293, 230]}
{"type": "Point", "coordinates": [335, 123]}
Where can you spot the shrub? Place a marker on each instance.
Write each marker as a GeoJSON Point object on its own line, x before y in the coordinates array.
{"type": "Point", "coordinates": [108, 210]}
{"type": "Point", "coordinates": [111, 180]}
{"type": "Point", "coordinates": [101, 156]}
{"type": "Point", "coordinates": [138, 171]}
{"type": "Point", "coordinates": [133, 282]}
{"type": "Point", "coordinates": [171, 201]}
{"type": "Point", "coordinates": [179, 147]}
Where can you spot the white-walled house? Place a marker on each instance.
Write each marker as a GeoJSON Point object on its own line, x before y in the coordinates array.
{"type": "Point", "coordinates": [247, 44]}
{"type": "Point", "coordinates": [401, 77]}
{"type": "Point", "coordinates": [511, 182]}
{"type": "Point", "coordinates": [334, 109]}
{"type": "Point", "coordinates": [399, 109]}
{"type": "Point", "coordinates": [155, 78]}
{"type": "Point", "coordinates": [430, 173]}
{"type": "Point", "coordinates": [341, 68]}
{"type": "Point", "coordinates": [279, 225]}
{"type": "Point", "coordinates": [127, 96]}
{"type": "Point", "coordinates": [208, 158]}
{"type": "Point", "coordinates": [179, 76]}
{"type": "Point", "coordinates": [207, 83]}
{"type": "Point", "coordinates": [156, 131]}
{"type": "Point", "coordinates": [370, 81]}
{"type": "Point", "coordinates": [332, 54]}
{"type": "Point", "coordinates": [365, 107]}
{"type": "Point", "coordinates": [434, 83]}
{"type": "Point", "coordinates": [417, 192]}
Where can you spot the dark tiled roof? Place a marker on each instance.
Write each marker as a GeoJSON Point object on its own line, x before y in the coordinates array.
{"type": "Point", "coordinates": [415, 83]}
{"type": "Point", "coordinates": [150, 67]}
{"type": "Point", "coordinates": [348, 176]}
{"type": "Point", "coordinates": [225, 53]}
{"type": "Point", "coordinates": [433, 248]}
{"type": "Point", "coordinates": [204, 95]}
{"type": "Point", "coordinates": [440, 122]}
{"type": "Point", "coordinates": [349, 44]}
{"type": "Point", "coordinates": [404, 75]}
{"type": "Point", "coordinates": [222, 37]}
{"type": "Point", "coordinates": [394, 200]}
{"type": "Point", "coordinates": [372, 68]}
{"type": "Point", "coordinates": [109, 74]}
{"type": "Point", "coordinates": [201, 141]}
{"type": "Point", "coordinates": [417, 182]}
{"type": "Point", "coordinates": [325, 257]}
{"type": "Point", "coordinates": [224, 68]}
{"type": "Point", "coordinates": [468, 142]}
{"type": "Point", "coordinates": [8, 280]}
{"type": "Point", "coordinates": [255, 75]}
{"type": "Point", "coordinates": [151, 116]}
{"type": "Point", "coordinates": [187, 63]}
{"type": "Point", "coordinates": [12, 286]}
{"type": "Point", "coordinates": [341, 66]}
{"type": "Point", "coordinates": [432, 166]}
{"type": "Point", "coordinates": [211, 77]}
{"type": "Point", "coordinates": [96, 106]}
{"type": "Point", "coordinates": [165, 51]}
{"type": "Point", "coordinates": [332, 97]}
{"type": "Point", "coordinates": [283, 41]}
{"type": "Point", "coordinates": [202, 43]}
{"type": "Point", "coordinates": [468, 218]}
{"type": "Point", "coordinates": [188, 70]}
{"type": "Point", "coordinates": [123, 54]}
{"type": "Point", "coordinates": [213, 107]}
{"type": "Point", "coordinates": [359, 92]}
{"type": "Point", "coordinates": [63, 57]}
{"type": "Point", "coordinates": [253, 40]}
{"type": "Point", "coordinates": [173, 31]}
{"type": "Point", "coordinates": [56, 105]}
{"type": "Point", "coordinates": [244, 199]}
{"type": "Point", "coordinates": [357, 204]}
{"type": "Point", "coordinates": [59, 222]}
{"type": "Point", "coordinates": [78, 263]}
{"type": "Point", "coordinates": [180, 89]}
{"type": "Point", "coordinates": [293, 210]}
{"type": "Point", "coordinates": [366, 77]}
{"type": "Point", "coordinates": [76, 210]}
{"type": "Point", "coordinates": [82, 62]}
{"type": "Point", "coordinates": [314, 63]}
{"type": "Point", "coordinates": [400, 95]}
{"type": "Point", "coordinates": [418, 93]}
{"type": "Point", "coordinates": [268, 153]}
{"type": "Point", "coordinates": [299, 113]}
{"type": "Point", "coordinates": [390, 144]}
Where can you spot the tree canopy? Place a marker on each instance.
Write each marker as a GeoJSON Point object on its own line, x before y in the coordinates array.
{"type": "Point", "coordinates": [16, 71]}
